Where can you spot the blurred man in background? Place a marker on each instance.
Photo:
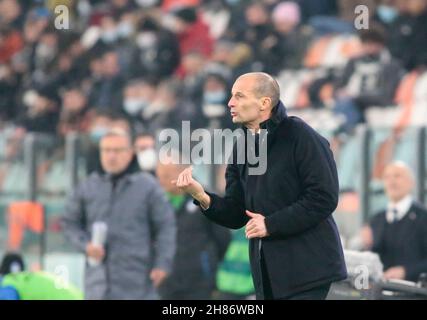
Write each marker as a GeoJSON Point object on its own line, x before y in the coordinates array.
{"type": "Point", "coordinates": [367, 80]}
{"type": "Point", "coordinates": [137, 214]}
{"type": "Point", "coordinates": [201, 245]}
{"type": "Point", "coordinates": [399, 233]}
{"type": "Point", "coordinates": [145, 148]}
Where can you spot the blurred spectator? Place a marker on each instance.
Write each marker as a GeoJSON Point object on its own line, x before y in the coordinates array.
{"type": "Point", "coordinates": [194, 65]}
{"type": "Point", "coordinates": [268, 47]}
{"type": "Point", "coordinates": [341, 16]}
{"type": "Point", "coordinates": [145, 151]}
{"type": "Point", "coordinates": [74, 112]}
{"type": "Point", "coordinates": [408, 34]}
{"type": "Point", "coordinates": [399, 233]}
{"type": "Point", "coordinates": [193, 33]}
{"type": "Point", "coordinates": [106, 90]}
{"type": "Point", "coordinates": [286, 18]}
{"type": "Point", "coordinates": [168, 110]}
{"type": "Point", "coordinates": [386, 12]}
{"type": "Point", "coordinates": [42, 111]}
{"type": "Point", "coordinates": [157, 51]}
{"type": "Point", "coordinates": [137, 96]}
{"type": "Point", "coordinates": [137, 215]}
{"type": "Point", "coordinates": [311, 8]}
{"type": "Point", "coordinates": [235, 56]}
{"type": "Point", "coordinates": [215, 113]}
{"type": "Point", "coordinates": [368, 80]}
{"type": "Point", "coordinates": [11, 42]}
{"type": "Point", "coordinates": [11, 14]}
{"type": "Point", "coordinates": [200, 243]}
{"type": "Point", "coordinates": [217, 16]}
{"type": "Point", "coordinates": [11, 263]}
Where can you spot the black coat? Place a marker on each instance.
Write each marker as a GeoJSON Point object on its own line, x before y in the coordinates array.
{"type": "Point", "coordinates": [200, 246]}
{"type": "Point", "coordinates": [297, 195]}
{"type": "Point", "coordinates": [402, 243]}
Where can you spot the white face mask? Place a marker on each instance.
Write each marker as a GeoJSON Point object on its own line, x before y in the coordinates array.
{"type": "Point", "coordinates": [109, 36]}
{"type": "Point", "coordinates": [134, 106]}
{"type": "Point", "coordinates": [125, 29]}
{"type": "Point", "coordinates": [147, 3]}
{"type": "Point", "coordinates": [146, 39]}
{"type": "Point", "coordinates": [147, 159]}
{"type": "Point", "coordinates": [44, 51]}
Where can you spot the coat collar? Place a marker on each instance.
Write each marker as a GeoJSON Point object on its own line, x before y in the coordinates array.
{"type": "Point", "coordinates": [278, 114]}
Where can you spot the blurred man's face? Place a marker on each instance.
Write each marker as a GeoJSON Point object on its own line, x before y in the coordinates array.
{"type": "Point", "coordinates": [398, 182]}
{"type": "Point", "coordinates": [116, 154]}
{"type": "Point", "coordinates": [244, 105]}
{"type": "Point", "coordinates": [110, 64]}
{"type": "Point", "coordinates": [74, 100]}
{"type": "Point", "coordinates": [10, 9]}
{"type": "Point", "coordinates": [143, 143]}
{"type": "Point", "coordinates": [166, 173]}
{"type": "Point", "coordinates": [416, 7]}
{"type": "Point", "coordinates": [256, 15]}
{"type": "Point", "coordinates": [140, 90]}
{"type": "Point", "coordinates": [372, 48]}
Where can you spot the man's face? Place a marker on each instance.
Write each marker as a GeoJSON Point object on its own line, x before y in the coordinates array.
{"type": "Point", "coordinates": [143, 143]}
{"type": "Point", "coordinates": [74, 100]}
{"type": "Point", "coordinates": [116, 154]}
{"type": "Point", "coordinates": [397, 182]}
{"type": "Point", "coordinates": [244, 106]}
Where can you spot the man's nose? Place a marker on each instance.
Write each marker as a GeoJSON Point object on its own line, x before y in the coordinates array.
{"type": "Point", "coordinates": [231, 103]}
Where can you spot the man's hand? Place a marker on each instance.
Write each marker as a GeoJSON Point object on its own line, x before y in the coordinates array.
{"type": "Point", "coordinates": [95, 252]}
{"type": "Point", "coordinates": [158, 276]}
{"type": "Point", "coordinates": [187, 184]}
{"type": "Point", "coordinates": [398, 272]}
{"type": "Point", "coordinates": [255, 228]}
{"type": "Point", "coordinates": [367, 237]}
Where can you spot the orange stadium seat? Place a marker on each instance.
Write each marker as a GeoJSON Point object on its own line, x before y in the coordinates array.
{"type": "Point", "coordinates": [23, 215]}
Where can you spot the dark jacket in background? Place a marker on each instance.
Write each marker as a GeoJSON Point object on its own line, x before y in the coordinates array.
{"type": "Point", "coordinates": [372, 79]}
{"type": "Point", "coordinates": [201, 245]}
{"type": "Point", "coordinates": [408, 40]}
{"type": "Point", "coordinates": [404, 242]}
{"type": "Point", "coordinates": [297, 195]}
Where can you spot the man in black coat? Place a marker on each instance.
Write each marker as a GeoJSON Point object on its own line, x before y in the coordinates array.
{"type": "Point", "coordinates": [295, 248]}
{"type": "Point", "coordinates": [399, 233]}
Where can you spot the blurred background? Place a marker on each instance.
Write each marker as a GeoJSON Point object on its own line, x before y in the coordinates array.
{"type": "Point", "coordinates": [145, 65]}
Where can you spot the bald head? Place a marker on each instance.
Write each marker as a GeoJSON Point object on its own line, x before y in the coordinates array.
{"type": "Point", "coordinates": [264, 85]}
{"type": "Point", "coordinates": [398, 180]}
{"type": "Point", "coordinates": [253, 97]}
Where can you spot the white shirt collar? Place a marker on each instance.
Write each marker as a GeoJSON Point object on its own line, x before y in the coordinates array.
{"type": "Point", "coordinates": [401, 206]}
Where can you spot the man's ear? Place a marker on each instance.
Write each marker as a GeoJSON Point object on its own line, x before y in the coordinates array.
{"type": "Point", "coordinates": [265, 103]}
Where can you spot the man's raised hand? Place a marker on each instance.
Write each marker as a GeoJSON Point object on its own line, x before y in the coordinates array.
{"type": "Point", "coordinates": [191, 186]}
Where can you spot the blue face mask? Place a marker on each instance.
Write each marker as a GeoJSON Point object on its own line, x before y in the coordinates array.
{"type": "Point", "coordinates": [97, 133]}
{"type": "Point", "coordinates": [215, 97]}
{"type": "Point", "coordinates": [232, 2]}
{"type": "Point", "coordinates": [387, 14]}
